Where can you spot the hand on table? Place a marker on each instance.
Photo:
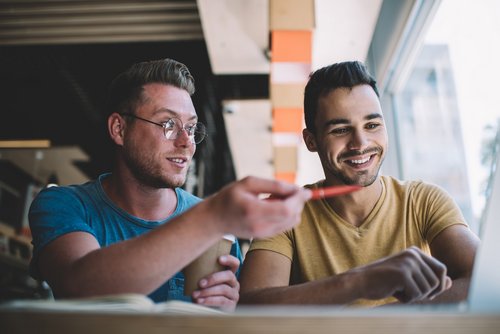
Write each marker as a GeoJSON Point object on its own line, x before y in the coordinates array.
{"type": "Point", "coordinates": [220, 289]}
{"type": "Point", "coordinates": [409, 276]}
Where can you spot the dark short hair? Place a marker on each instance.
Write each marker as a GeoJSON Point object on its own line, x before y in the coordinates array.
{"type": "Point", "coordinates": [321, 82]}
{"type": "Point", "coordinates": [126, 89]}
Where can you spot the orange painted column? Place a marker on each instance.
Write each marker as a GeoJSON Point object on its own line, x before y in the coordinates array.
{"type": "Point", "coordinates": [291, 25]}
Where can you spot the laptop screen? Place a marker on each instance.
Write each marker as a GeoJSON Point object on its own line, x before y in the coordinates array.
{"type": "Point", "coordinates": [484, 292]}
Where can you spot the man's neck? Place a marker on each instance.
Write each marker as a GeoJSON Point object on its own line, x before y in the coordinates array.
{"type": "Point", "coordinates": [355, 207]}
{"type": "Point", "coordinates": [141, 201]}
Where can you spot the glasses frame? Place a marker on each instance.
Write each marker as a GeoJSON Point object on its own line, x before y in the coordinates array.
{"type": "Point", "coordinates": [164, 125]}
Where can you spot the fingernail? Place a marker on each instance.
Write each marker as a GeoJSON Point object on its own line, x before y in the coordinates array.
{"type": "Point", "coordinates": [196, 294]}
{"type": "Point", "coordinates": [223, 258]}
{"type": "Point", "coordinates": [203, 282]}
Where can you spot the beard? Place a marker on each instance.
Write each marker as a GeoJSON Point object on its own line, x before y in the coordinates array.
{"type": "Point", "coordinates": [147, 170]}
{"type": "Point", "coordinates": [362, 178]}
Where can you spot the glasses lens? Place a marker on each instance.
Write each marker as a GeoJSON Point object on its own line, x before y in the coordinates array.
{"type": "Point", "coordinates": [171, 127]}
{"type": "Point", "coordinates": [196, 132]}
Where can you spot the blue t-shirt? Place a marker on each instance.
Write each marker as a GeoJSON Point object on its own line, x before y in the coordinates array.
{"type": "Point", "coordinates": [86, 208]}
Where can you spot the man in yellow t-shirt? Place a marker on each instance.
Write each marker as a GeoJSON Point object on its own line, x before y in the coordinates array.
{"type": "Point", "coordinates": [390, 241]}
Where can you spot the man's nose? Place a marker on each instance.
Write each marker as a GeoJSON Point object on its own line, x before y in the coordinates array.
{"type": "Point", "coordinates": [358, 140]}
{"type": "Point", "coordinates": [183, 138]}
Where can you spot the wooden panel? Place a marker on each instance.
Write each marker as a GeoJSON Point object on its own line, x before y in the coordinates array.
{"type": "Point", "coordinates": [291, 14]}
{"type": "Point", "coordinates": [287, 95]}
{"type": "Point", "coordinates": [287, 120]}
{"type": "Point", "coordinates": [291, 46]}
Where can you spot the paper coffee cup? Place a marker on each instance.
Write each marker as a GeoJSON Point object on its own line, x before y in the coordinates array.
{"type": "Point", "coordinates": [206, 264]}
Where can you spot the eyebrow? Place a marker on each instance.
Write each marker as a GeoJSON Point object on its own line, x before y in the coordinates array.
{"type": "Point", "coordinates": [173, 113]}
{"type": "Point", "coordinates": [337, 121]}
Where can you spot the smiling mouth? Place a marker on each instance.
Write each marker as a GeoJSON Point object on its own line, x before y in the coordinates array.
{"type": "Point", "coordinates": [177, 160]}
{"type": "Point", "coordinates": [359, 162]}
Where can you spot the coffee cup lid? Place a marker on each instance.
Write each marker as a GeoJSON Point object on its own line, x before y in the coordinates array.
{"type": "Point", "coordinates": [229, 237]}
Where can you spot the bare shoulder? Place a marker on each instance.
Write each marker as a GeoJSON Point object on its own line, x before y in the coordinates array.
{"type": "Point", "coordinates": [62, 252]}
{"type": "Point", "coordinates": [263, 269]}
{"type": "Point", "coordinates": [456, 247]}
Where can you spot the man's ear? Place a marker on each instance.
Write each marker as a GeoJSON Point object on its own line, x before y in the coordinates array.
{"type": "Point", "coordinates": [310, 140]}
{"type": "Point", "coordinates": [116, 128]}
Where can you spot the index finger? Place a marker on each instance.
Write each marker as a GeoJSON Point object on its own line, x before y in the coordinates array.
{"type": "Point", "coordinates": [230, 261]}
{"type": "Point", "coordinates": [440, 271]}
{"type": "Point", "coordinates": [275, 188]}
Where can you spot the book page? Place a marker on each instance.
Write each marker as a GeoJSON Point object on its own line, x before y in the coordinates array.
{"type": "Point", "coordinates": [182, 307]}
{"type": "Point", "coordinates": [111, 303]}
{"type": "Point", "coordinates": [120, 302]}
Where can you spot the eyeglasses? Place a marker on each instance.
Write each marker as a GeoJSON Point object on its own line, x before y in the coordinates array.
{"type": "Point", "coordinates": [172, 128]}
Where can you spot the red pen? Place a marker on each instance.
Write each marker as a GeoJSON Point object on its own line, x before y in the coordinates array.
{"type": "Point", "coordinates": [333, 191]}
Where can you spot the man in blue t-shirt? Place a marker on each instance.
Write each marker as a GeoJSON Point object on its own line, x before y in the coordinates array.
{"type": "Point", "coordinates": [133, 230]}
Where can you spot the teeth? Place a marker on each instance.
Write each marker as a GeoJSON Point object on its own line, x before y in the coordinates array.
{"type": "Point", "coordinates": [362, 161]}
{"type": "Point", "coordinates": [179, 161]}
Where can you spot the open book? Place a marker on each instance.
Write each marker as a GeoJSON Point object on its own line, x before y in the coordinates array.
{"type": "Point", "coordinates": [111, 304]}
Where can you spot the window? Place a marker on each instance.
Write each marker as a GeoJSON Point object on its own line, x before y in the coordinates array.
{"type": "Point", "coordinates": [445, 111]}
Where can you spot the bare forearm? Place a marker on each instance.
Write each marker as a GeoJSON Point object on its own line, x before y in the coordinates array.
{"type": "Point", "coordinates": [457, 292]}
{"type": "Point", "coordinates": [138, 265]}
{"type": "Point", "coordinates": [339, 289]}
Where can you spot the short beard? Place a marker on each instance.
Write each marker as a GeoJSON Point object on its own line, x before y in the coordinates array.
{"type": "Point", "coordinates": [144, 171]}
{"type": "Point", "coordinates": [361, 178]}
{"type": "Point", "coordinates": [356, 180]}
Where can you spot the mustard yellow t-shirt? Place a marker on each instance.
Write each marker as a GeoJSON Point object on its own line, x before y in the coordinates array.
{"type": "Point", "coordinates": [324, 244]}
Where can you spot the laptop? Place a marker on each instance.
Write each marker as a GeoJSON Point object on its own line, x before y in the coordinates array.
{"type": "Point", "coordinates": [484, 291]}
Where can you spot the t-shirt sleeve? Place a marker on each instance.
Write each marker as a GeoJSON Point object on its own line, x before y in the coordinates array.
{"type": "Point", "coordinates": [54, 212]}
{"type": "Point", "coordinates": [281, 243]}
{"type": "Point", "coordinates": [236, 252]}
{"type": "Point", "coordinates": [440, 210]}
